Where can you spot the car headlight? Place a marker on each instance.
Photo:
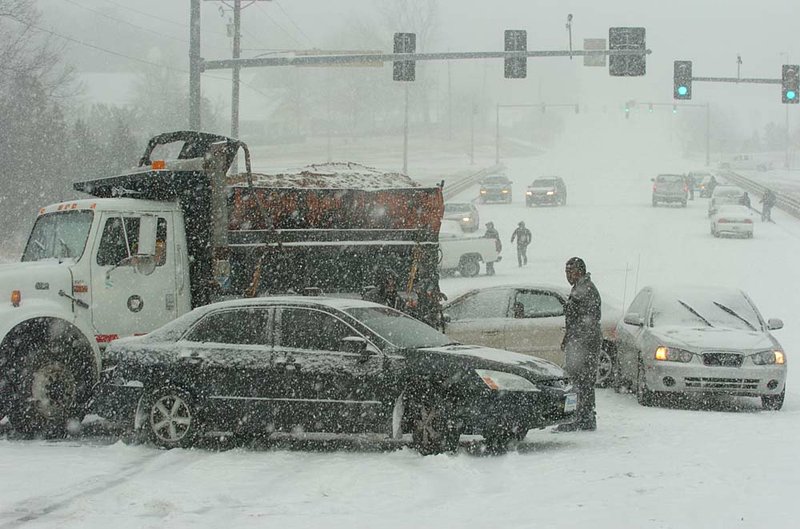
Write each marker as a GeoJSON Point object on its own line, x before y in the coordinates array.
{"type": "Point", "coordinates": [500, 381]}
{"type": "Point", "coordinates": [673, 354]}
{"type": "Point", "coordinates": [550, 193]}
{"type": "Point", "coordinates": [465, 219]}
{"type": "Point", "coordinates": [768, 357]}
{"type": "Point", "coordinates": [483, 191]}
{"type": "Point", "coordinates": [529, 193]}
{"type": "Point", "coordinates": [505, 190]}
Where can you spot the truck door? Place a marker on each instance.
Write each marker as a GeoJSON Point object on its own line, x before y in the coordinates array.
{"type": "Point", "coordinates": [127, 300]}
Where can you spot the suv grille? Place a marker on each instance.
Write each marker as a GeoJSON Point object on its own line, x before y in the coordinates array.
{"type": "Point", "coordinates": [721, 383]}
{"type": "Point", "coordinates": [723, 359]}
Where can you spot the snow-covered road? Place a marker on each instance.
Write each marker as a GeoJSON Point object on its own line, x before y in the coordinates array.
{"type": "Point", "coordinates": [731, 466]}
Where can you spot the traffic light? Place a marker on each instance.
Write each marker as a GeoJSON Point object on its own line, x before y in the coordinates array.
{"type": "Point", "coordinates": [682, 80]}
{"type": "Point", "coordinates": [627, 39]}
{"type": "Point", "coordinates": [790, 84]}
{"type": "Point", "coordinates": [674, 109]}
{"type": "Point", "coordinates": [627, 110]}
{"type": "Point", "coordinates": [516, 67]}
{"type": "Point", "coordinates": [577, 109]}
{"type": "Point", "coordinates": [404, 70]}
{"type": "Point", "coordinates": [650, 107]}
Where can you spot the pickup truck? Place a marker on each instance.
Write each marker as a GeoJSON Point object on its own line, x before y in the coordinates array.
{"type": "Point", "coordinates": [464, 254]}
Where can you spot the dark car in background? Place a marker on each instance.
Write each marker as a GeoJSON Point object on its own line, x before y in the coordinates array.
{"type": "Point", "coordinates": [670, 188]}
{"type": "Point", "coordinates": [495, 189]}
{"type": "Point", "coordinates": [316, 364]}
{"type": "Point", "coordinates": [465, 213]}
{"type": "Point", "coordinates": [546, 190]}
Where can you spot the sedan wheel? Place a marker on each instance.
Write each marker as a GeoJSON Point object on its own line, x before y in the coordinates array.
{"type": "Point", "coordinates": [644, 396]}
{"type": "Point", "coordinates": [171, 418]}
{"type": "Point", "coordinates": [433, 430]}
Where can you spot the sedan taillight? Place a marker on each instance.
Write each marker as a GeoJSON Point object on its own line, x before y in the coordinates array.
{"type": "Point", "coordinates": [723, 221]}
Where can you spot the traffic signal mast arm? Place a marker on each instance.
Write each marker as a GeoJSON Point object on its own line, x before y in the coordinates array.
{"type": "Point", "coordinates": [315, 60]}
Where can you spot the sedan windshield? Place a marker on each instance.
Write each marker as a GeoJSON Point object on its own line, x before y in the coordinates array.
{"type": "Point", "coordinates": [60, 235]}
{"type": "Point", "coordinates": [398, 329]}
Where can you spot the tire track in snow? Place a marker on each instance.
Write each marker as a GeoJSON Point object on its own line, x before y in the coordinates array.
{"type": "Point", "coordinates": [37, 507]}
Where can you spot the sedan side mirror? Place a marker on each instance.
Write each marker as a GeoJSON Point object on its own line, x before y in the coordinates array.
{"type": "Point", "coordinates": [774, 324]}
{"type": "Point", "coordinates": [633, 318]}
{"type": "Point", "coordinates": [357, 345]}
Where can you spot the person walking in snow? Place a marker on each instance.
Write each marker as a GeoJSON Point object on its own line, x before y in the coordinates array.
{"type": "Point", "coordinates": [582, 342]}
{"type": "Point", "coordinates": [492, 233]}
{"type": "Point", "coordinates": [745, 200]}
{"type": "Point", "coordinates": [523, 237]}
{"type": "Point", "coordinates": [768, 201]}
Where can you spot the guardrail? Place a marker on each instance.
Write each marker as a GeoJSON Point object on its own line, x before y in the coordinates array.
{"type": "Point", "coordinates": [451, 190]}
{"type": "Point", "coordinates": [787, 203]}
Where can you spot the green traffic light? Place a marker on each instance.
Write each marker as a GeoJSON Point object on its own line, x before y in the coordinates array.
{"type": "Point", "coordinates": [682, 90]}
{"type": "Point", "coordinates": [791, 94]}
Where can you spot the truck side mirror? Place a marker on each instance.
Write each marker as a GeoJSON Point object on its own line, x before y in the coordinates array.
{"type": "Point", "coordinates": [145, 259]}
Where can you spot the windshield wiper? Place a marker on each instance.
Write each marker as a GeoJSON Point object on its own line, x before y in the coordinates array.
{"type": "Point", "coordinates": [735, 315]}
{"type": "Point", "coordinates": [690, 309]}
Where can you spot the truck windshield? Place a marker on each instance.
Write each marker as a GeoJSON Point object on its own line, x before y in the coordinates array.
{"type": "Point", "coordinates": [59, 235]}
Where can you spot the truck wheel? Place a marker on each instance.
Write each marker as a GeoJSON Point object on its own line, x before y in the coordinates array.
{"type": "Point", "coordinates": [171, 418]}
{"type": "Point", "coordinates": [469, 267]}
{"type": "Point", "coordinates": [51, 389]}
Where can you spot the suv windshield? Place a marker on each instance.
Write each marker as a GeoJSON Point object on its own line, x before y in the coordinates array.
{"type": "Point", "coordinates": [456, 208]}
{"type": "Point", "coordinates": [495, 181]}
{"type": "Point", "coordinates": [669, 178]}
{"type": "Point", "coordinates": [398, 329]}
{"type": "Point", "coordinates": [544, 182]}
{"type": "Point", "coordinates": [59, 235]}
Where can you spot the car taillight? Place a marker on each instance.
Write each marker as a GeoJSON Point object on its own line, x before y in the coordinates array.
{"type": "Point", "coordinates": [654, 188]}
{"type": "Point", "coordinates": [748, 221]}
{"type": "Point", "coordinates": [685, 189]}
{"type": "Point", "coordinates": [723, 221]}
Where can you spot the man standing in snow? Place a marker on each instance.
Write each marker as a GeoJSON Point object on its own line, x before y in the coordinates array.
{"type": "Point", "coordinates": [582, 342]}
{"type": "Point", "coordinates": [523, 237]}
{"type": "Point", "coordinates": [492, 233]}
{"type": "Point", "coordinates": [768, 201]}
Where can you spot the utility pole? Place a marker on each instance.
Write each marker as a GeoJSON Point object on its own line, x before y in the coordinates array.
{"type": "Point", "coordinates": [237, 49]}
{"type": "Point", "coordinates": [708, 135]}
{"type": "Point", "coordinates": [786, 162]}
{"type": "Point", "coordinates": [497, 135]}
{"type": "Point", "coordinates": [194, 65]}
{"type": "Point", "coordinates": [405, 134]}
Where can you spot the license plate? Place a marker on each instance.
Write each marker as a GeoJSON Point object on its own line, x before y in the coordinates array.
{"type": "Point", "coordinates": [571, 402]}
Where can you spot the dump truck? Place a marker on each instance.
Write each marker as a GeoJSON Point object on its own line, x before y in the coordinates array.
{"type": "Point", "coordinates": [178, 232]}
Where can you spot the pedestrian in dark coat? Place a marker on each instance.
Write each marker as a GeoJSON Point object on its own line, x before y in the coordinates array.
{"type": "Point", "coordinates": [582, 342]}
{"type": "Point", "coordinates": [745, 200]}
{"type": "Point", "coordinates": [491, 233]}
{"type": "Point", "coordinates": [768, 201]}
{"type": "Point", "coordinates": [385, 290]}
{"type": "Point", "coordinates": [523, 237]}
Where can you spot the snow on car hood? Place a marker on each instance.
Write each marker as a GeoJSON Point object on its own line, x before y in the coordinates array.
{"type": "Point", "coordinates": [498, 358]}
{"type": "Point", "coordinates": [719, 338]}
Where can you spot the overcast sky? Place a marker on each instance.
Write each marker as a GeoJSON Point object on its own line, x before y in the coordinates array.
{"type": "Point", "coordinates": [710, 33]}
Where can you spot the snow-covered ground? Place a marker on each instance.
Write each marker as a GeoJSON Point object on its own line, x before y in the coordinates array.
{"type": "Point", "coordinates": [729, 466]}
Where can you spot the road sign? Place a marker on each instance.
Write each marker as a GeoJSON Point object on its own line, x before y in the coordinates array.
{"type": "Point", "coordinates": [627, 39]}
{"type": "Point", "coordinates": [594, 45]}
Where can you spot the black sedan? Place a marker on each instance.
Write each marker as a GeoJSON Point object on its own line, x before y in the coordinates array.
{"type": "Point", "coordinates": [317, 364]}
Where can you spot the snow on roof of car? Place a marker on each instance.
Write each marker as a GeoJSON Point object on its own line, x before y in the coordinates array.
{"type": "Point", "coordinates": [333, 175]}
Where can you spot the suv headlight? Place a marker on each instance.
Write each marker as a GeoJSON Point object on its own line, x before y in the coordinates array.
{"type": "Point", "coordinates": [768, 357]}
{"type": "Point", "coordinates": [529, 193]}
{"type": "Point", "coordinates": [500, 381]}
{"type": "Point", "coordinates": [673, 354]}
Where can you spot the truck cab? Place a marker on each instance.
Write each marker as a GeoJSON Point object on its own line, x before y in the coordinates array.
{"type": "Point", "coordinates": [92, 271]}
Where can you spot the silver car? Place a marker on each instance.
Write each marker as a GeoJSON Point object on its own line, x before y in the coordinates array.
{"type": "Point", "coordinates": [526, 319]}
{"type": "Point", "coordinates": [699, 340]}
{"type": "Point", "coordinates": [724, 195]}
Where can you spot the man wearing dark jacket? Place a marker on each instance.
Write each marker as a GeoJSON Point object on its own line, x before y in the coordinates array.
{"type": "Point", "coordinates": [582, 342]}
{"type": "Point", "coordinates": [523, 237]}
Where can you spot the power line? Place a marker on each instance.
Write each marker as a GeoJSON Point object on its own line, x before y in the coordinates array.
{"type": "Point", "coordinates": [148, 30]}
{"type": "Point", "coordinates": [294, 23]}
{"type": "Point", "coordinates": [216, 34]}
{"type": "Point", "coordinates": [266, 13]}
